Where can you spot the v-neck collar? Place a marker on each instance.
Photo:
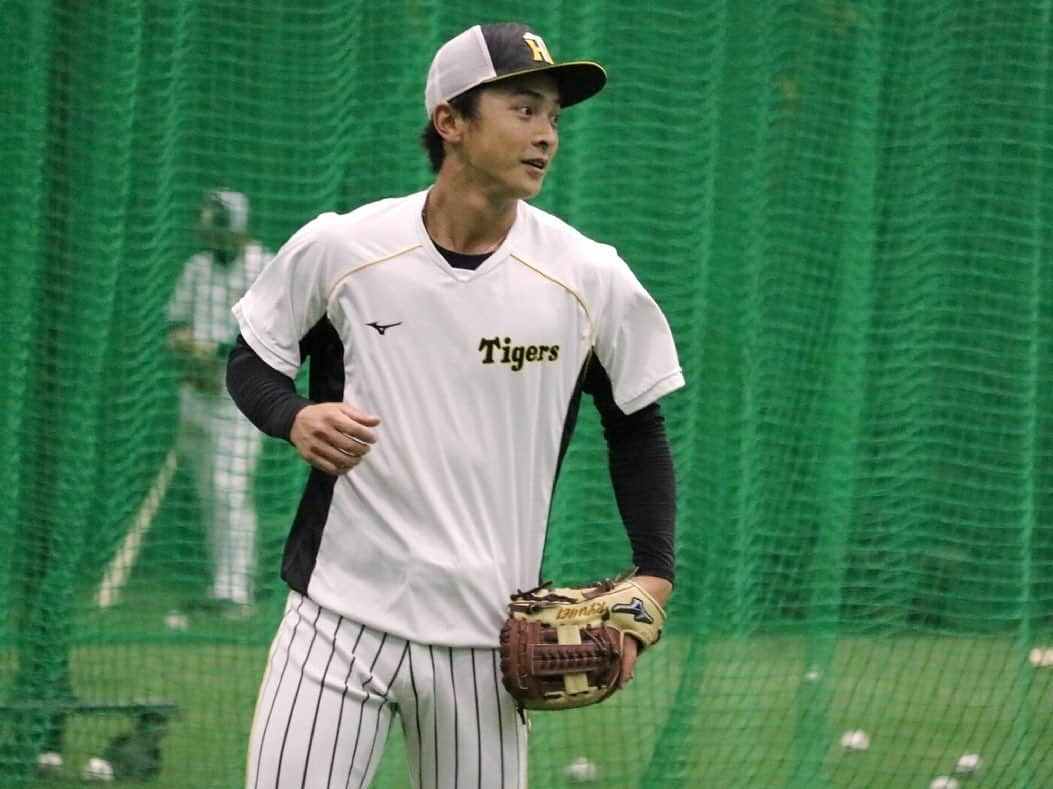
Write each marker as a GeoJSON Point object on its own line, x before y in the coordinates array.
{"type": "Point", "coordinates": [493, 260]}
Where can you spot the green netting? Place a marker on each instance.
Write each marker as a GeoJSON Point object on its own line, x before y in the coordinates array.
{"type": "Point", "coordinates": [846, 210]}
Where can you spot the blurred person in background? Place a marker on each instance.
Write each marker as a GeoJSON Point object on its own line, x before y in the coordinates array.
{"type": "Point", "coordinates": [220, 444]}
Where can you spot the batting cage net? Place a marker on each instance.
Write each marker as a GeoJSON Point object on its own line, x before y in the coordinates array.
{"type": "Point", "coordinates": [846, 211]}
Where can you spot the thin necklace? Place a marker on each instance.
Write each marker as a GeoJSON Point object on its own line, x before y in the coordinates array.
{"type": "Point", "coordinates": [424, 220]}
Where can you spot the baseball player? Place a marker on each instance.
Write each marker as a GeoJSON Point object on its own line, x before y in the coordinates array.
{"type": "Point", "coordinates": [221, 445]}
{"type": "Point", "coordinates": [450, 335]}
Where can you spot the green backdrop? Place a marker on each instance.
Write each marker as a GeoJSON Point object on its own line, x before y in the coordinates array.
{"type": "Point", "coordinates": [846, 211]}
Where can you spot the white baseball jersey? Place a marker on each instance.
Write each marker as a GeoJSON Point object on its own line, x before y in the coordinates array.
{"type": "Point", "coordinates": [474, 374]}
{"type": "Point", "coordinates": [206, 292]}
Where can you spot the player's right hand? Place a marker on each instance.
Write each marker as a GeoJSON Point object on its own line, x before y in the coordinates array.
{"type": "Point", "coordinates": [333, 437]}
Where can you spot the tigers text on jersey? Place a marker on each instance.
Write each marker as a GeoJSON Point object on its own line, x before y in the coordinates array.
{"type": "Point", "coordinates": [474, 374]}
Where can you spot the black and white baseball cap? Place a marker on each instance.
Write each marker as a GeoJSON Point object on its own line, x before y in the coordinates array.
{"type": "Point", "coordinates": [487, 53]}
{"type": "Point", "coordinates": [225, 209]}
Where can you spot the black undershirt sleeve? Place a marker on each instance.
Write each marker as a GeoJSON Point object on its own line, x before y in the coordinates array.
{"type": "Point", "coordinates": [642, 475]}
{"type": "Point", "coordinates": [267, 397]}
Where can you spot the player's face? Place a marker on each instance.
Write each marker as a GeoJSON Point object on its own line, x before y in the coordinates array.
{"type": "Point", "coordinates": [510, 144]}
{"type": "Point", "coordinates": [216, 237]}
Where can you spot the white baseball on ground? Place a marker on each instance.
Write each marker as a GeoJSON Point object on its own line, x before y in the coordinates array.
{"type": "Point", "coordinates": [944, 782]}
{"type": "Point", "coordinates": [175, 620]}
{"type": "Point", "coordinates": [856, 740]}
{"type": "Point", "coordinates": [581, 770]}
{"type": "Point", "coordinates": [1040, 657]}
{"type": "Point", "coordinates": [97, 770]}
{"type": "Point", "coordinates": [49, 764]}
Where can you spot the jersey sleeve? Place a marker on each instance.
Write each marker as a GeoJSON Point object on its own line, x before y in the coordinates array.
{"type": "Point", "coordinates": [288, 297]}
{"type": "Point", "coordinates": [634, 342]}
{"type": "Point", "coordinates": [256, 259]}
{"type": "Point", "coordinates": [180, 307]}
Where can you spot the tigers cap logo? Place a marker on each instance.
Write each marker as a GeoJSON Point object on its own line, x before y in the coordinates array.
{"type": "Point", "coordinates": [488, 53]}
{"type": "Point", "coordinates": [538, 48]}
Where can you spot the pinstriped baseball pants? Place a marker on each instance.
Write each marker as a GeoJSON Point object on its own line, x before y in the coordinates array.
{"type": "Point", "coordinates": [332, 688]}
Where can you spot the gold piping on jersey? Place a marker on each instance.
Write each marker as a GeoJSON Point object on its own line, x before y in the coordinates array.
{"type": "Point", "coordinates": [570, 290]}
{"type": "Point", "coordinates": [356, 269]}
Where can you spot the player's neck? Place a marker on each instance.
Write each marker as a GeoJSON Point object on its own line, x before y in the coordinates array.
{"type": "Point", "coordinates": [466, 221]}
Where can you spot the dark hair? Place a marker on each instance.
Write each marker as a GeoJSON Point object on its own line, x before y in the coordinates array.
{"type": "Point", "coordinates": [465, 105]}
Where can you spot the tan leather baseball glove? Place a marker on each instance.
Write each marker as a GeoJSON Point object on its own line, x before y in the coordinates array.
{"type": "Point", "coordinates": [561, 647]}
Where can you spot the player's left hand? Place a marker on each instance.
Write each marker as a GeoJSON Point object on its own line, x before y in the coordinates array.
{"type": "Point", "coordinates": [571, 646]}
{"type": "Point", "coordinates": [183, 343]}
{"type": "Point", "coordinates": [660, 589]}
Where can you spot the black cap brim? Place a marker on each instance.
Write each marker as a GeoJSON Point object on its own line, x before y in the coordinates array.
{"type": "Point", "coordinates": [577, 79]}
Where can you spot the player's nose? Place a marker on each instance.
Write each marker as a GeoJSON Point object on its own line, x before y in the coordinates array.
{"type": "Point", "coordinates": [547, 136]}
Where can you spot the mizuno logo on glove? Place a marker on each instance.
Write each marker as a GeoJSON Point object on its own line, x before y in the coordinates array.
{"type": "Point", "coordinates": [636, 608]}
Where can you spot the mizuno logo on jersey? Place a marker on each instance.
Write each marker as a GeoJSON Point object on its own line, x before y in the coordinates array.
{"type": "Point", "coordinates": [383, 327]}
{"type": "Point", "coordinates": [496, 350]}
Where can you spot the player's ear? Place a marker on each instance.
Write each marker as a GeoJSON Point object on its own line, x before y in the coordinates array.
{"type": "Point", "coordinates": [448, 122]}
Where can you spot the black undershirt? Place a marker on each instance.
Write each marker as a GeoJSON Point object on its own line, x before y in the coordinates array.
{"type": "Point", "coordinates": [639, 456]}
{"type": "Point", "coordinates": [461, 259]}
